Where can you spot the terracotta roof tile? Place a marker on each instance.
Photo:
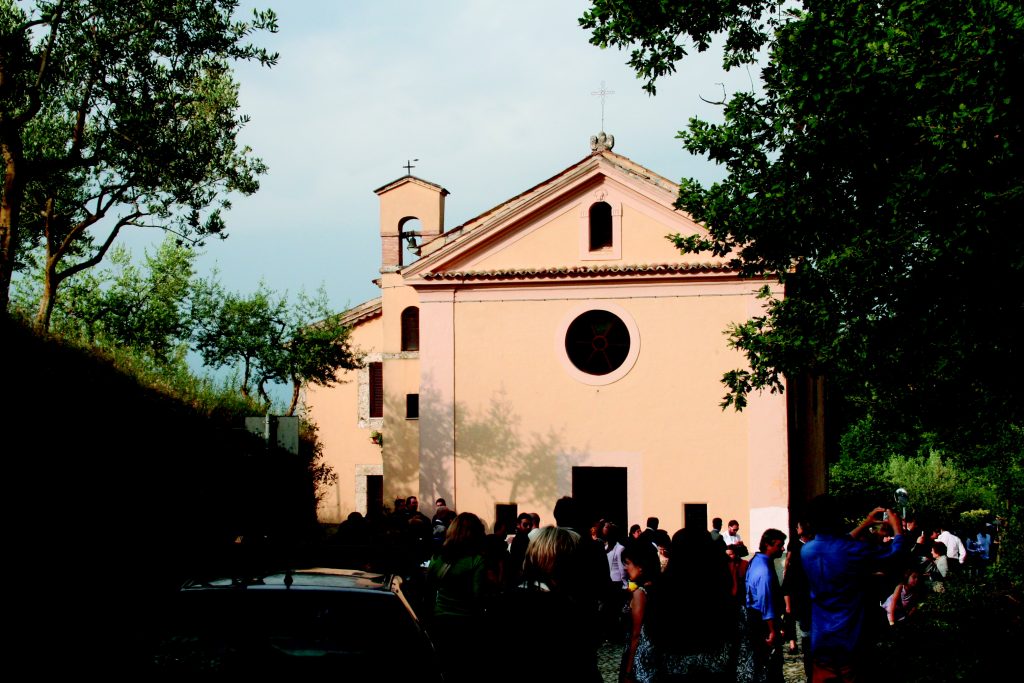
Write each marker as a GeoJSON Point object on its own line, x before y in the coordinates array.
{"type": "Point", "coordinates": [581, 271]}
{"type": "Point", "coordinates": [364, 311]}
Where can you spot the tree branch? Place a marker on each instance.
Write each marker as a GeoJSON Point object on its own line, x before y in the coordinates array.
{"type": "Point", "coordinates": [75, 153]}
{"type": "Point", "coordinates": [35, 99]}
{"type": "Point", "coordinates": [102, 251]}
{"type": "Point", "coordinates": [719, 102]}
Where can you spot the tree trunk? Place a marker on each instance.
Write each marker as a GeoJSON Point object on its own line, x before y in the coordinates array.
{"type": "Point", "coordinates": [296, 385]}
{"type": "Point", "coordinates": [49, 297]}
{"type": "Point", "coordinates": [10, 208]}
{"type": "Point", "coordinates": [245, 379]}
{"type": "Point", "coordinates": [50, 278]}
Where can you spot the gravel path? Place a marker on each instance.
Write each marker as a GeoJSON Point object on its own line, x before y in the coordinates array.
{"type": "Point", "coordinates": [610, 654]}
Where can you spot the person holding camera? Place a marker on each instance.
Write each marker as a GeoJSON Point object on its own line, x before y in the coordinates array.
{"type": "Point", "coordinates": [838, 567]}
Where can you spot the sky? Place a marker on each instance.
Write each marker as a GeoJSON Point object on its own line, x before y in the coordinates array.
{"type": "Point", "coordinates": [490, 97]}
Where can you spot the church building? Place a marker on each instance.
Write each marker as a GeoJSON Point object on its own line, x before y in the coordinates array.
{"type": "Point", "coordinates": [557, 344]}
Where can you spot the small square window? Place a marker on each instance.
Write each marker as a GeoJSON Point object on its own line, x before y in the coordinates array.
{"type": "Point", "coordinates": [412, 406]}
{"type": "Point", "coordinates": [505, 517]}
{"type": "Point", "coordinates": [695, 515]}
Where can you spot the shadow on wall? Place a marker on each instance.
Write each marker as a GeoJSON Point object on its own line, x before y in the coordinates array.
{"type": "Point", "coordinates": [509, 462]}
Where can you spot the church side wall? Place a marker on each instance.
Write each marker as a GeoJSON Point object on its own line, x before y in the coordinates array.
{"type": "Point", "coordinates": [401, 378]}
{"type": "Point", "coordinates": [341, 414]}
{"type": "Point", "coordinates": [769, 472]}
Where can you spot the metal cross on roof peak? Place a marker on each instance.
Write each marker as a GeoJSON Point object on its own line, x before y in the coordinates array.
{"type": "Point", "coordinates": [408, 166]}
{"type": "Point", "coordinates": [603, 92]}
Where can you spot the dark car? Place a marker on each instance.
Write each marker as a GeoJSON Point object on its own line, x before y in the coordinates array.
{"type": "Point", "coordinates": [350, 624]}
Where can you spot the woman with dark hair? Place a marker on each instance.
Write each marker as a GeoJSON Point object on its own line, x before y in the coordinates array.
{"type": "Point", "coordinates": [642, 566]}
{"type": "Point", "coordinates": [456, 585]}
{"type": "Point", "coordinates": [904, 599]}
{"type": "Point", "coordinates": [694, 628]}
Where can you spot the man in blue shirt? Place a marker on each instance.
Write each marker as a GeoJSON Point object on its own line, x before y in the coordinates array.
{"type": "Point", "coordinates": [764, 596]}
{"type": "Point", "coordinates": [838, 568]}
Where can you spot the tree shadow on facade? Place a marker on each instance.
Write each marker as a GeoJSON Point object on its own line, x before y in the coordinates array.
{"type": "Point", "coordinates": [511, 463]}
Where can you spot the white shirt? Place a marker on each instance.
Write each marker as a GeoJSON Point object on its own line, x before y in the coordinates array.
{"type": "Point", "coordinates": [730, 539]}
{"type": "Point", "coordinates": [954, 546]}
{"type": "Point", "coordinates": [615, 570]}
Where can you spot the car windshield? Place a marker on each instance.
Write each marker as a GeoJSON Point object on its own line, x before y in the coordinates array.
{"type": "Point", "coordinates": [262, 630]}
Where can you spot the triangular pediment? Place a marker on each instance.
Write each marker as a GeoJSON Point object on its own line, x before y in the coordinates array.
{"type": "Point", "coordinates": [548, 228]}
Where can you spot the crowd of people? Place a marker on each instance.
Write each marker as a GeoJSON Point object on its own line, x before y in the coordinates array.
{"type": "Point", "coordinates": [693, 606]}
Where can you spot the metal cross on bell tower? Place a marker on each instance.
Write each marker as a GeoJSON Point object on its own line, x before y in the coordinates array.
{"type": "Point", "coordinates": [603, 93]}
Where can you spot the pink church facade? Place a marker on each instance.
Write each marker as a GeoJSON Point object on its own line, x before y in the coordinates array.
{"type": "Point", "coordinates": [555, 345]}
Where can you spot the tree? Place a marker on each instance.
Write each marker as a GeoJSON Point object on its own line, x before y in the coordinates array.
{"type": "Point", "coordinates": [316, 347]}
{"type": "Point", "coordinates": [117, 114]}
{"type": "Point", "coordinates": [241, 330]}
{"type": "Point", "coordinates": [275, 342]}
{"type": "Point", "coordinates": [143, 308]}
{"type": "Point", "coordinates": [939, 489]}
{"type": "Point", "coordinates": [146, 308]}
{"type": "Point", "coordinates": [879, 177]}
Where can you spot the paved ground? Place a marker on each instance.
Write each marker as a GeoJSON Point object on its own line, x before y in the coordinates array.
{"type": "Point", "coordinates": [793, 668]}
{"type": "Point", "coordinates": [610, 655]}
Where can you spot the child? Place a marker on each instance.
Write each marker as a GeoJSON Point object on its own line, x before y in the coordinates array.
{"type": "Point", "coordinates": [903, 601]}
{"type": "Point", "coordinates": [938, 568]}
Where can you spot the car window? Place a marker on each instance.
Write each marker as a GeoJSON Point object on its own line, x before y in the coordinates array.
{"type": "Point", "coordinates": [268, 629]}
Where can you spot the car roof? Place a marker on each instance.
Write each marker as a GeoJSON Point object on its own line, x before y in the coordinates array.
{"type": "Point", "coordinates": [318, 578]}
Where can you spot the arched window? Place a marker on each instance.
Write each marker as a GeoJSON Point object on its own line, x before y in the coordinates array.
{"type": "Point", "coordinates": [409, 231]}
{"type": "Point", "coordinates": [411, 329]}
{"type": "Point", "coordinates": [600, 226]}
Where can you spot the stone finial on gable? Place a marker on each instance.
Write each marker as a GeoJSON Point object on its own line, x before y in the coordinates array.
{"type": "Point", "coordinates": [602, 142]}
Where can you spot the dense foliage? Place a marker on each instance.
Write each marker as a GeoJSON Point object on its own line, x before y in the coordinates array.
{"type": "Point", "coordinates": [117, 114]}
{"type": "Point", "coordinates": [878, 175]}
{"type": "Point", "coordinates": [939, 490]}
{"type": "Point", "coordinates": [272, 339]}
{"type": "Point", "coordinates": [955, 636]}
{"type": "Point", "coordinates": [158, 312]}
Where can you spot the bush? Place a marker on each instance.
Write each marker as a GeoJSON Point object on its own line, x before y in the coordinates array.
{"type": "Point", "coordinates": [957, 635]}
{"type": "Point", "coordinates": [938, 488]}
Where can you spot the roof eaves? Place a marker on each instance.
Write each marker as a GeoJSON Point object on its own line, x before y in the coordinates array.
{"type": "Point", "coordinates": [364, 311]}
{"type": "Point", "coordinates": [409, 178]}
{"type": "Point", "coordinates": [507, 204]}
{"type": "Point", "coordinates": [656, 269]}
{"type": "Point", "coordinates": [496, 213]}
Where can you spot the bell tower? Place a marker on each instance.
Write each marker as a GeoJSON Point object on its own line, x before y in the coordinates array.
{"type": "Point", "coordinates": [401, 201]}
